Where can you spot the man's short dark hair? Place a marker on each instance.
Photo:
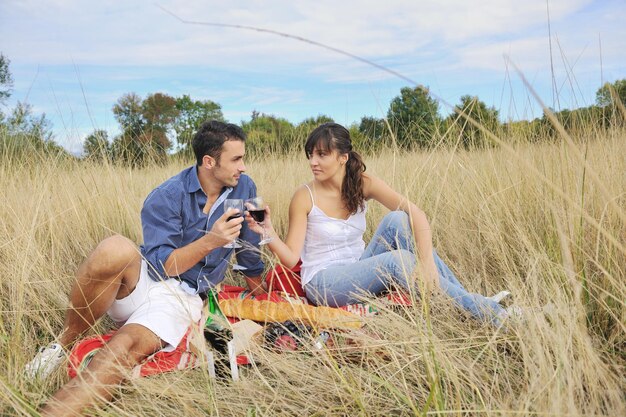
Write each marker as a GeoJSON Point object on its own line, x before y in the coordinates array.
{"type": "Point", "coordinates": [211, 136]}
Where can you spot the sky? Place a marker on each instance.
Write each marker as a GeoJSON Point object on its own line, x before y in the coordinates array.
{"type": "Point", "coordinates": [72, 60]}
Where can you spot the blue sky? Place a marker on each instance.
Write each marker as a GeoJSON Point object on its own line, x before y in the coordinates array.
{"type": "Point", "coordinates": [73, 59]}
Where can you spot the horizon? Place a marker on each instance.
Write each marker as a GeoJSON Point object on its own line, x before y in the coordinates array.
{"type": "Point", "coordinates": [83, 57]}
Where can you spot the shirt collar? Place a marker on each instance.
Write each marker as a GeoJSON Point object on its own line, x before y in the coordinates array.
{"type": "Point", "coordinates": [193, 183]}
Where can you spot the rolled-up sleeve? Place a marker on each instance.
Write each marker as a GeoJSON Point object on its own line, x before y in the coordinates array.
{"type": "Point", "coordinates": [162, 229]}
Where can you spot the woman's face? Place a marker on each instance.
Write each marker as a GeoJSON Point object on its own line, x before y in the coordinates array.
{"type": "Point", "coordinates": [327, 163]}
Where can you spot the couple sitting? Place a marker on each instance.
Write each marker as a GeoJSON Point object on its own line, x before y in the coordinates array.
{"type": "Point", "coordinates": [156, 292]}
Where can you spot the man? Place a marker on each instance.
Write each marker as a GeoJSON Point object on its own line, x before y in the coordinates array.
{"type": "Point", "coordinates": [156, 293]}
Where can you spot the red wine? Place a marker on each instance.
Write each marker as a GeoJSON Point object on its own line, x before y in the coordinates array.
{"type": "Point", "coordinates": [258, 215]}
{"type": "Point", "coordinates": [233, 217]}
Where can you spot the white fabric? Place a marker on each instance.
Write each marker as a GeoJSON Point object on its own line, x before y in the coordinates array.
{"type": "Point", "coordinates": [330, 241]}
{"type": "Point", "coordinates": [163, 307]}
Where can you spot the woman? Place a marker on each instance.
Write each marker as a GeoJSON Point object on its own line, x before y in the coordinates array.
{"type": "Point", "coordinates": [326, 226]}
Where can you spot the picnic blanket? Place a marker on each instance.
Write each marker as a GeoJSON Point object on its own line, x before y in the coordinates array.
{"type": "Point", "coordinates": [182, 357]}
{"type": "Point", "coordinates": [284, 303]}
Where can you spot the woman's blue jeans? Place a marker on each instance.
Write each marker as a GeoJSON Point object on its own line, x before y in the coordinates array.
{"type": "Point", "coordinates": [390, 256]}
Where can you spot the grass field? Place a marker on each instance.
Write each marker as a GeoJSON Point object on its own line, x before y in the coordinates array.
{"type": "Point", "coordinates": [545, 221]}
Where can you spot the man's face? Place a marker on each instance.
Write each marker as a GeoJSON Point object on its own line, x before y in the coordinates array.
{"type": "Point", "coordinates": [230, 165]}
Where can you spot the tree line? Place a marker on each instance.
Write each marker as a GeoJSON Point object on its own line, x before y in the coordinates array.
{"type": "Point", "coordinates": [20, 129]}
{"type": "Point", "coordinates": [159, 125]}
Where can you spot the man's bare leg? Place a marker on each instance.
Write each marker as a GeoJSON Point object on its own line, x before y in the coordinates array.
{"type": "Point", "coordinates": [129, 346]}
{"type": "Point", "coordinates": [110, 272]}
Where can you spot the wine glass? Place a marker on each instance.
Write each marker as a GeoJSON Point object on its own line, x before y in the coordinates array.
{"type": "Point", "coordinates": [256, 208]}
{"type": "Point", "coordinates": [235, 203]}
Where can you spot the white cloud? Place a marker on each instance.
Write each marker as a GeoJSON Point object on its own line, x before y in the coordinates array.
{"type": "Point", "coordinates": [265, 96]}
{"type": "Point", "coordinates": [533, 52]}
{"type": "Point", "coordinates": [451, 45]}
{"type": "Point", "coordinates": [142, 34]}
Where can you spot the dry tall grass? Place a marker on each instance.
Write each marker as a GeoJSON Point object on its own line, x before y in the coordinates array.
{"type": "Point", "coordinates": [532, 220]}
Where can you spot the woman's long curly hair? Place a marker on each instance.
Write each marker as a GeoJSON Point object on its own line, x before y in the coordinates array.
{"type": "Point", "coordinates": [332, 136]}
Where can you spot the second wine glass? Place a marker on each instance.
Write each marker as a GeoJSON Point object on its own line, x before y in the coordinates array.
{"type": "Point", "coordinates": [256, 208]}
{"type": "Point", "coordinates": [237, 204]}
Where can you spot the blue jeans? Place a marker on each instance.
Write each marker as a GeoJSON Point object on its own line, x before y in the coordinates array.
{"type": "Point", "coordinates": [390, 259]}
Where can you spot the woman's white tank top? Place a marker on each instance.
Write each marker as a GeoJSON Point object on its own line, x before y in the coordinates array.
{"type": "Point", "coordinates": [330, 241]}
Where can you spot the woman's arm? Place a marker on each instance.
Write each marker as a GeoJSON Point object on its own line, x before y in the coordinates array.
{"type": "Point", "coordinates": [379, 190]}
{"type": "Point", "coordinates": [288, 251]}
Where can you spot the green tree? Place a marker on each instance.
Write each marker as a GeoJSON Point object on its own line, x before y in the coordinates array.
{"type": "Point", "coordinates": [414, 117]}
{"type": "Point", "coordinates": [159, 112]}
{"type": "Point", "coordinates": [22, 132]}
{"type": "Point", "coordinates": [371, 133]}
{"type": "Point", "coordinates": [128, 147]}
{"type": "Point", "coordinates": [96, 146]}
{"type": "Point", "coordinates": [305, 127]}
{"type": "Point", "coordinates": [360, 141]}
{"type": "Point", "coordinates": [605, 96]}
{"type": "Point", "coordinates": [129, 151]}
{"type": "Point", "coordinates": [311, 123]}
{"type": "Point", "coordinates": [145, 125]}
{"type": "Point", "coordinates": [6, 80]}
{"type": "Point", "coordinates": [191, 114]}
{"type": "Point", "coordinates": [268, 133]}
{"type": "Point", "coordinates": [21, 121]}
{"type": "Point", "coordinates": [471, 107]}
{"type": "Point", "coordinates": [372, 127]}
{"type": "Point", "coordinates": [128, 113]}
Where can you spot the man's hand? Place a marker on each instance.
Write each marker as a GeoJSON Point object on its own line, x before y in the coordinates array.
{"type": "Point", "coordinates": [225, 231]}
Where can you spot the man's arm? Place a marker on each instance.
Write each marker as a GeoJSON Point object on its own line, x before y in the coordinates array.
{"type": "Point", "coordinates": [163, 237]}
{"type": "Point", "coordinates": [222, 232]}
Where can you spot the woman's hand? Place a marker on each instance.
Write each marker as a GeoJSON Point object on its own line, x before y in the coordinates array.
{"type": "Point", "coordinates": [430, 275]}
{"type": "Point", "coordinates": [256, 226]}
{"type": "Point", "coordinates": [256, 285]}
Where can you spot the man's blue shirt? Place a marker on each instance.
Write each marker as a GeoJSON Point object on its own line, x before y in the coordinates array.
{"type": "Point", "coordinates": [172, 217]}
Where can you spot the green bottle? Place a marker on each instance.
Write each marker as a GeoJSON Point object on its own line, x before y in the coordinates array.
{"type": "Point", "coordinates": [215, 318]}
{"type": "Point", "coordinates": [216, 328]}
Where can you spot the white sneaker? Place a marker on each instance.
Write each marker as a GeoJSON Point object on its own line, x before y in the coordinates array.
{"type": "Point", "coordinates": [45, 362]}
{"type": "Point", "coordinates": [512, 313]}
{"type": "Point", "coordinates": [515, 312]}
{"type": "Point", "coordinates": [500, 296]}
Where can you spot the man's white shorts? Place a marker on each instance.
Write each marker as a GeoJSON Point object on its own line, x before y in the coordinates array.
{"type": "Point", "coordinates": [161, 306]}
